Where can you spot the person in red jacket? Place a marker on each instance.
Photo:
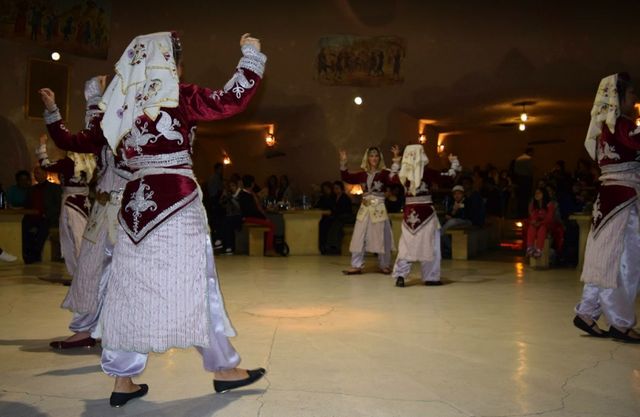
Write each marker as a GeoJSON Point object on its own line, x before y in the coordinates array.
{"type": "Point", "coordinates": [540, 222]}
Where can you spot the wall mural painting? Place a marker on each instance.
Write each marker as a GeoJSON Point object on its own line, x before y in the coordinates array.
{"type": "Point", "coordinates": [79, 27]}
{"type": "Point", "coordinates": [360, 60]}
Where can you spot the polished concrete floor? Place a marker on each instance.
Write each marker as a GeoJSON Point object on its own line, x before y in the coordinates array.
{"type": "Point", "coordinates": [497, 340]}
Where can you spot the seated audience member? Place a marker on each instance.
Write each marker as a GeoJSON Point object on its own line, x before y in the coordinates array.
{"type": "Point", "coordinates": [212, 192]}
{"type": "Point", "coordinates": [343, 214]}
{"type": "Point", "coordinates": [584, 173]}
{"type": "Point", "coordinates": [6, 256]}
{"type": "Point", "coordinates": [327, 200]}
{"type": "Point", "coordinates": [457, 215]}
{"type": "Point", "coordinates": [556, 229]}
{"type": "Point", "coordinates": [269, 194]}
{"type": "Point", "coordinates": [474, 202]}
{"type": "Point", "coordinates": [284, 189]}
{"type": "Point", "coordinates": [393, 198]}
{"type": "Point", "coordinates": [457, 212]}
{"type": "Point", "coordinates": [331, 226]}
{"type": "Point", "coordinates": [253, 213]}
{"type": "Point", "coordinates": [17, 194]}
{"type": "Point", "coordinates": [542, 212]}
{"type": "Point", "coordinates": [505, 184]}
{"type": "Point", "coordinates": [45, 197]}
{"type": "Point", "coordinates": [232, 220]}
{"type": "Point", "coordinates": [491, 193]}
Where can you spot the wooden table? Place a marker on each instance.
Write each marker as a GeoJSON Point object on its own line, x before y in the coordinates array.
{"type": "Point", "coordinates": [11, 230]}
{"type": "Point", "coordinates": [302, 230]}
{"type": "Point", "coordinates": [584, 223]}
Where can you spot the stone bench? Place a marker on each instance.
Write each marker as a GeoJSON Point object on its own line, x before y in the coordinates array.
{"type": "Point", "coordinates": [52, 250]}
{"type": "Point", "coordinates": [543, 261]}
{"type": "Point", "coordinates": [250, 239]}
{"type": "Point", "coordinates": [470, 241]}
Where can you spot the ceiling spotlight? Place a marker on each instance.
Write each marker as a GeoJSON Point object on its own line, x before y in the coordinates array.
{"type": "Point", "coordinates": [358, 100]}
{"type": "Point", "coordinates": [422, 139]}
{"type": "Point", "coordinates": [55, 56]}
{"type": "Point", "coordinates": [441, 148]}
{"type": "Point", "coordinates": [522, 127]}
{"type": "Point", "coordinates": [226, 160]}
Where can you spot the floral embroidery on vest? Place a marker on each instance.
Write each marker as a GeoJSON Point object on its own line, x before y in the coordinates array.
{"type": "Point", "coordinates": [608, 152]}
{"type": "Point", "coordinates": [140, 202]}
{"type": "Point", "coordinates": [139, 135]}
{"type": "Point", "coordinates": [413, 218]}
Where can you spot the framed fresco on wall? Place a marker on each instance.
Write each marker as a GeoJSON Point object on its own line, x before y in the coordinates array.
{"type": "Point", "coordinates": [53, 75]}
{"type": "Point", "coordinates": [79, 27]}
{"type": "Point", "coordinates": [360, 60]}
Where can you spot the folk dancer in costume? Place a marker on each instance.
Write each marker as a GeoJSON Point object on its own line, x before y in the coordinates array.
{"type": "Point", "coordinates": [75, 172]}
{"type": "Point", "coordinates": [420, 239]}
{"type": "Point", "coordinates": [612, 259]}
{"type": "Point", "coordinates": [372, 231]}
{"type": "Point", "coordinates": [86, 293]}
{"type": "Point", "coordinates": [163, 258]}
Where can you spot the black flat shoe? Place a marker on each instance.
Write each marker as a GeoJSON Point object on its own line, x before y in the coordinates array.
{"type": "Point", "coordinates": [622, 336]}
{"type": "Point", "coordinates": [61, 344]}
{"type": "Point", "coordinates": [118, 399]}
{"type": "Point", "coordinates": [224, 386]}
{"type": "Point", "coordinates": [352, 271]}
{"type": "Point", "coordinates": [400, 282]}
{"type": "Point", "coordinates": [582, 325]}
{"type": "Point", "coordinates": [432, 283]}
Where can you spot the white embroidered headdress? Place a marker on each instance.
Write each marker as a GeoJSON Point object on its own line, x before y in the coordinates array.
{"type": "Point", "coordinates": [365, 160]}
{"type": "Point", "coordinates": [606, 109]}
{"type": "Point", "coordinates": [82, 163]}
{"type": "Point", "coordinates": [413, 162]}
{"type": "Point", "coordinates": [146, 79]}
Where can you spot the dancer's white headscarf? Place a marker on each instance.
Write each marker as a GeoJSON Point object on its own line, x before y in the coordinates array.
{"type": "Point", "coordinates": [146, 79]}
{"type": "Point", "coordinates": [365, 160]}
{"type": "Point", "coordinates": [606, 109]}
{"type": "Point", "coordinates": [413, 162]}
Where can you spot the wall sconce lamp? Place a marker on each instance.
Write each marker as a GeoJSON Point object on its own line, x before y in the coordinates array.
{"type": "Point", "coordinates": [270, 140]}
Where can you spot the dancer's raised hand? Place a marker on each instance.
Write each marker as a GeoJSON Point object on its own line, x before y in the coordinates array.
{"type": "Point", "coordinates": [102, 79]}
{"type": "Point", "coordinates": [395, 149]}
{"type": "Point", "coordinates": [343, 155]}
{"type": "Point", "coordinates": [48, 98]}
{"type": "Point", "coordinates": [246, 39]}
{"type": "Point", "coordinates": [43, 139]}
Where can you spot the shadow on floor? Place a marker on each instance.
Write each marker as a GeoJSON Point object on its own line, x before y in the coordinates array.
{"type": "Point", "coordinates": [10, 408]}
{"type": "Point", "coordinates": [42, 346]}
{"type": "Point", "coordinates": [91, 369]}
{"type": "Point", "coordinates": [204, 406]}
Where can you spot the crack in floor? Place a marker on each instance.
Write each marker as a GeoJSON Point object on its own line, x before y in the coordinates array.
{"type": "Point", "coordinates": [41, 396]}
{"type": "Point", "coordinates": [10, 307]}
{"type": "Point", "coordinates": [268, 365]}
{"type": "Point", "coordinates": [564, 389]}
